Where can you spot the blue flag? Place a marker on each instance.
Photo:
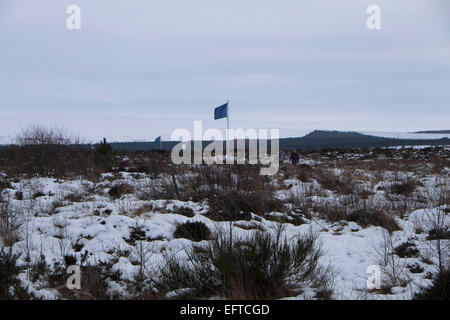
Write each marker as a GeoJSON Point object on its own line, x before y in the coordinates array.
{"type": "Point", "coordinates": [221, 112]}
{"type": "Point", "coordinates": [158, 139]}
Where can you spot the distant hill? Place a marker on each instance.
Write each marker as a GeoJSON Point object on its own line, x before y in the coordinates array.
{"type": "Point", "coordinates": [319, 139]}
{"type": "Point", "coordinates": [435, 131]}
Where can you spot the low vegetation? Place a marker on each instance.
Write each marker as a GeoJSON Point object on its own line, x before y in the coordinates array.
{"type": "Point", "coordinates": [142, 228]}
{"type": "Point", "coordinates": [439, 290]}
{"type": "Point", "coordinates": [9, 284]}
{"type": "Point", "coordinates": [261, 266]}
{"type": "Point", "coordinates": [195, 231]}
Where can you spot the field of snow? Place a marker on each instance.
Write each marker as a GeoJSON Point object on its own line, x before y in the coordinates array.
{"type": "Point", "coordinates": [80, 221]}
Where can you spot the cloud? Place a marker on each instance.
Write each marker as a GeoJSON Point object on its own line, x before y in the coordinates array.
{"type": "Point", "coordinates": [310, 61]}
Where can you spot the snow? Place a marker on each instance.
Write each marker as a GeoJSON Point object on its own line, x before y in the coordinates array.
{"type": "Point", "coordinates": [104, 235]}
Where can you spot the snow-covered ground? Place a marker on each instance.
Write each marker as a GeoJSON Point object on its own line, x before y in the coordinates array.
{"type": "Point", "coordinates": [78, 218]}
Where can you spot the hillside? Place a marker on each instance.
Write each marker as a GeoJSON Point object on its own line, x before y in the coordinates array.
{"type": "Point", "coordinates": [319, 139]}
{"type": "Point", "coordinates": [435, 131]}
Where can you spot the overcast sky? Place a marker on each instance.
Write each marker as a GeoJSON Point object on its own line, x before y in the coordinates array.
{"type": "Point", "coordinates": [141, 68]}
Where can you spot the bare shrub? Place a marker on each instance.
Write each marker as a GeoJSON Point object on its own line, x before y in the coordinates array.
{"type": "Point", "coordinates": [10, 221]}
{"type": "Point", "coordinates": [233, 192]}
{"type": "Point", "coordinates": [405, 187]}
{"type": "Point", "coordinates": [373, 216]}
{"type": "Point", "coordinates": [118, 190]}
{"type": "Point", "coordinates": [94, 282]}
{"type": "Point", "coordinates": [363, 212]}
{"type": "Point", "coordinates": [302, 172]}
{"type": "Point", "coordinates": [394, 269]}
{"type": "Point", "coordinates": [125, 207]}
{"type": "Point", "coordinates": [239, 191]}
{"type": "Point", "coordinates": [438, 237]}
{"type": "Point", "coordinates": [439, 196]}
{"type": "Point", "coordinates": [41, 135]}
{"type": "Point", "coordinates": [143, 209]}
{"type": "Point", "coordinates": [61, 233]}
{"type": "Point", "coordinates": [45, 151]}
{"type": "Point", "coordinates": [342, 184]}
{"type": "Point", "coordinates": [142, 279]}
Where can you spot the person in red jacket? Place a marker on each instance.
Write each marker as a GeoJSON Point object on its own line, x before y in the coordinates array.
{"type": "Point", "coordinates": [294, 158]}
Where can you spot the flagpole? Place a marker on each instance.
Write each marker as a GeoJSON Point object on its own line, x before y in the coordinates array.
{"type": "Point", "coordinates": [228, 117]}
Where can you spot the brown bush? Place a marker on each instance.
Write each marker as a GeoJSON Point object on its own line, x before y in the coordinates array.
{"type": "Point", "coordinates": [48, 152]}
{"type": "Point", "coordinates": [47, 161]}
{"type": "Point", "coordinates": [362, 212]}
{"type": "Point", "coordinates": [118, 190]}
{"type": "Point", "coordinates": [10, 221]}
{"type": "Point", "coordinates": [405, 188]}
{"type": "Point", "coordinates": [233, 192]}
{"type": "Point", "coordinates": [342, 184]}
{"type": "Point", "coordinates": [195, 231]}
{"type": "Point", "coordinates": [406, 250]}
{"type": "Point", "coordinates": [374, 217]}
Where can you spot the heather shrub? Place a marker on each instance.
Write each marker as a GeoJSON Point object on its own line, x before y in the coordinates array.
{"type": "Point", "coordinates": [8, 274]}
{"type": "Point", "coordinates": [118, 190]}
{"type": "Point", "coordinates": [261, 266]}
{"type": "Point", "coordinates": [405, 187]}
{"type": "Point", "coordinates": [440, 288]}
{"type": "Point", "coordinates": [406, 250]}
{"type": "Point", "coordinates": [195, 231]}
{"type": "Point", "coordinates": [365, 213]}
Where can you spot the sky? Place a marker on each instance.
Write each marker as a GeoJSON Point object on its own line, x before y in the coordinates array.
{"type": "Point", "coordinates": [143, 68]}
